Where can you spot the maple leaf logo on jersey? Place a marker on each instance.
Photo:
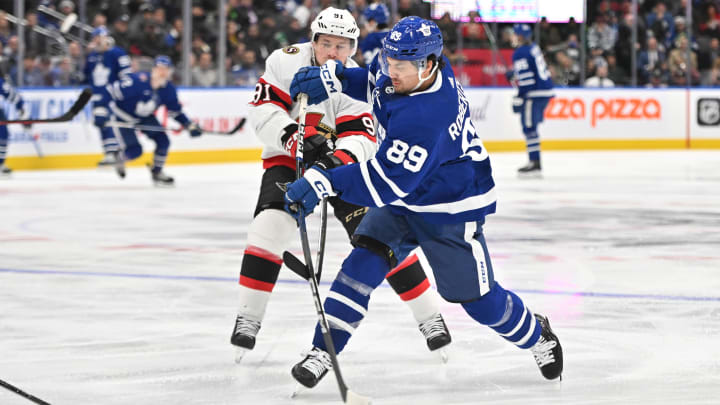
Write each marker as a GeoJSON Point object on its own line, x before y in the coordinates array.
{"type": "Point", "coordinates": [396, 35]}
{"type": "Point", "coordinates": [424, 29]}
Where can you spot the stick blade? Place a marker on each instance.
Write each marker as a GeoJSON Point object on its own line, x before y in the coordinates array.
{"type": "Point", "coordinates": [297, 266]}
{"type": "Point", "coordinates": [353, 398]}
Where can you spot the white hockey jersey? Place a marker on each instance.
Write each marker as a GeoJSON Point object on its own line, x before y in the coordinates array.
{"type": "Point", "coordinates": [348, 121]}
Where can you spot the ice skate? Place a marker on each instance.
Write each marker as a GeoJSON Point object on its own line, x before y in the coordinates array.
{"type": "Point", "coordinates": [243, 336]}
{"type": "Point", "coordinates": [115, 160]}
{"type": "Point", "coordinates": [312, 368]}
{"type": "Point", "coordinates": [531, 170]}
{"type": "Point", "coordinates": [160, 179]}
{"type": "Point", "coordinates": [437, 335]}
{"type": "Point", "coordinates": [5, 171]}
{"type": "Point", "coordinates": [547, 351]}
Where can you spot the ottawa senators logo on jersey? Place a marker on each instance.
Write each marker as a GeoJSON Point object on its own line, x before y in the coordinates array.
{"type": "Point", "coordinates": [290, 50]}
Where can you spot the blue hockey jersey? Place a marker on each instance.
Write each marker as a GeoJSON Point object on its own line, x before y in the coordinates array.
{"type": "Point", "coordinates": [9, 95]}
{"type": "Point", "coordinates": [431, 161]}
{"type": "Point", "coordinates": [132, 99]}
{"type": "Point", "coordinates": [104, 68]}
{"type": "Point", "coordinates": [531, 72]}
{"type": "Point", "coordinates": [371, 45]}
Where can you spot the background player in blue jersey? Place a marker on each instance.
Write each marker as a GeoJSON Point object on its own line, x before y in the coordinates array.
{"type": "Point", "coordinates": [430, 185]}
{"type": "Point", "coordinates": [376, 23]}
{"type": "Point", "coordinates": [104, 65]}
{"type": "Point", "coordinates": [10, 96]}
{"type": "Point", "coordinates": [133, 100]}
{"type": "Point", "coordinates": [535, 89]}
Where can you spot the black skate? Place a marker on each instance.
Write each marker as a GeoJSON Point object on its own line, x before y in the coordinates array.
{"type": "Point", "coordinates": [531, 170]}
{"type": "Point", "coordinates": [160, 179]}
{"type": "Point", "coordinates": [547, 351]}
{"type": "Point", "coordinates": [115, 160]}
{"type": "Point", "coordinates": [436, 335]}
{"type": "Point", "coordinates": [5, 171]}
{"type": "Point", "coordinates": [243, 336]}
{"type": "Point", "coordinates": [312, 368]}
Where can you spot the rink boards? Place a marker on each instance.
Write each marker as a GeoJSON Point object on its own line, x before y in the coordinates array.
{"type": "Point", "coordinates": [576, 119]}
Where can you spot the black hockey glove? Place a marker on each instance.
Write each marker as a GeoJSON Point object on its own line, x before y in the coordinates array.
{"type": "Point", "coordinates": [315, 145]}
{"type": "Point", "coordinates": [335, 159]}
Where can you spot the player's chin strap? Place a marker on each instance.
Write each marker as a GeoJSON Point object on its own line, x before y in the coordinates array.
{"type": "Point", "coordinates": [432, 72]}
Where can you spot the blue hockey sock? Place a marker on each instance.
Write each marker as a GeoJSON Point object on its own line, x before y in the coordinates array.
{"type": "Point", "coordinates": [507, 315]}
{"type": "Point", "coordinates": [346, 304]}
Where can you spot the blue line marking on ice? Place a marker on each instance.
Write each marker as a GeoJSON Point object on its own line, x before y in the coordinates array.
{"type": "Point", "coordinates": [590, 294]}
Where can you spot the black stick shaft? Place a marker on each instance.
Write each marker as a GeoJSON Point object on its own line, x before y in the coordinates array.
{"type": "Point", "coordinates": [23, 393]}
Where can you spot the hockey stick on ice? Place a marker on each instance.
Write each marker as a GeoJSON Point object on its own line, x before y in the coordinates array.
{"type": "Point", "coordinates": [23, 393]}
{"type": "Point", "coordinates": [297, 266]}
{"type": "Point", "coordinates": [69, 115]}
{"type": "Point", "coordinates": [153, 128]}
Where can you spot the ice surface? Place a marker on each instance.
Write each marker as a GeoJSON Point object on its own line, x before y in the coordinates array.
{"type": "Point", "coordinates": [114, 292]}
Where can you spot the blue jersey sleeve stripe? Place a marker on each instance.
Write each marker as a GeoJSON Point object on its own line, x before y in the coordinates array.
{"type": "Point", "coordinates": [394, 187]}
{"type": "Point", "coordinates": [368, 183]}
{"type": "Point", "coordinates": [468, 204]}
{"type": "Point", "coordinates": [527, 82]}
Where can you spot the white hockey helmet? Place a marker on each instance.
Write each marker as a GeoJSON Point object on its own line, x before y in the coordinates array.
{"type": "Point", "coordinates": [335, 21]}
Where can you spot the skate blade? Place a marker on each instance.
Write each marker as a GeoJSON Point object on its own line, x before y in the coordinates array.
{"type": "Point", "coordinates": [239, 354]}
{"type": "Point", "coordinates": [530, 175]}
{"type": "Point", "coordinates": [163, 185]}
{"type": "Point", "coordinates": [442, 355]}
{"type": "Point", "coordinates": [299, 388]}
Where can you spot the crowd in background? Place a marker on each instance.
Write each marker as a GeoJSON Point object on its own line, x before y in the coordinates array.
{"type": "Point", "coordinates": [146, 28]}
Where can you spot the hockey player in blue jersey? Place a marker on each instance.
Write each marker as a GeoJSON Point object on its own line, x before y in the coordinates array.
{"type": "Point", "coordinates": [104, 65]}
{"type": "Point", "coordinates": [535, 89]}
{"type": "Point", "coordinates": [8, 95]}
{"type": "Point", "coordinates": [376, 23]}
{"type": "Point", "coordinates": [133, 100]}
{"type": "Point", "coordinates": [430, 185]}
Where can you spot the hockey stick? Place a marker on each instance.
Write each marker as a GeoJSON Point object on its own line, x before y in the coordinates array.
{"type": "Point", "coordinates": [348, 396]}
{"type": "Point", "coordinates": [23, 393]}
{"type": "Point", "coordinates": [153, 128]}
{"type": "Point", "coordinates": [69, 115]}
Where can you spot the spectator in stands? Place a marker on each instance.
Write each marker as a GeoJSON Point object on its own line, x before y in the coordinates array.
{"type": "Point", "coordinates": [658, 79]}
{"type": "Point", "coordinates": [650, 59]}
{"type": "Point", "coordinates": [99, 20]}
{"type": "Point", "coordinates": [77, 59]}
{"type": "Point", "coordinates": [601, 36]}
{"type": "Point", "coordinates": [39, 73]}
{"type": "Point", "coordinates": [474, 36]}
{"type": "Point", "coordinates": [303, 12]}
{"type": "Point", "coordinates": [707, 62]}
{"type": "Point", "coordinates": [150, 41]}
{"type": "Point", "coordinates": [448, 27]}
{"type": "Point", "coordinates": [616, 73]}
{"type": "Point", "coordinates": [5, 32]}
{"type": "Point", "coordinates": [677, 62]}
{"type": "Point", "coordinates": [710, 26]}
{"type": "Point", "coordinates": [409, 7]}
{"type": "Point", "coordinates": [173, 39]}
{"type": "Point", "coordinates": [566, 71]}
{"type": "Point", "coordinates": [34, 41]}
{"type": "Point", "coordinates": [660, 22]}
{"type": "Point", "coordinates": [601, 77]}
{"type": "Point", "coordinates": [120, 31]}
{"type": "Point", "coordinates": [624, 46]}
{"type": "Point", "coordinates": [66, 7]}
{"type": "Point", "coordinates": [249, 71]}
{"type": "Point", "coordinates": [65, 74]}
{"type": "Point", "coordinates": [204, 74]}
{"type": "Point", "coordinates": [139, 19]}
{"type": "Point", "coordinates": [550, 34]}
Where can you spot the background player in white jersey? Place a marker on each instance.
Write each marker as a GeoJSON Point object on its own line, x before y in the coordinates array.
{"type": "Point", "coordinates": [349, 124]}
{"type": "Point", "coordinates": [535, 89]}
{"type": "Point", "coordinates": [10, 96]}
{"type": "Point", "coordinates": [430, 184]}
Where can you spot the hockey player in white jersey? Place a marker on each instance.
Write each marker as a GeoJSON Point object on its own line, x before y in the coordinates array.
{"type": "Point", "coordinates": [430, 184]}
{"type": "Point", "coordinates": [344, 122]}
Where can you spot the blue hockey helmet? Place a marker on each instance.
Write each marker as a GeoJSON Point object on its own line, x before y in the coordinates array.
{"type": "Point", "coordinates": [101, 30]}
{"type": "Point", "coordinates": [413, 38]}
{"type": "Point", "coordinates": [377, 12]}
{"type": "Point", "coordinates": [163, 60]}
{"type": "Point", "coordinates": [523, 30]}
